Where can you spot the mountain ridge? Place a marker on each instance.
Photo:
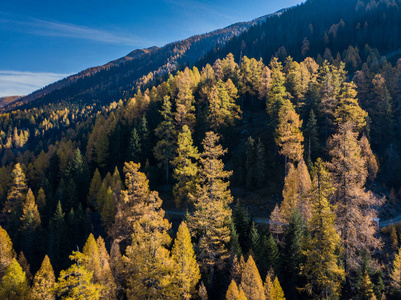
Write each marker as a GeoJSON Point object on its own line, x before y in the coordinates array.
{"type": "Point", "coordinates": [181, 50]}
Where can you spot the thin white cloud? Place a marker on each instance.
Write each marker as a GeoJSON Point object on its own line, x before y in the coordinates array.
{"type": "Point", "coordinates": [23, 83]}
{"type": "Point", "coordinates": [194, 7]}
{"type": "Point", "coordinates": [59, 29]}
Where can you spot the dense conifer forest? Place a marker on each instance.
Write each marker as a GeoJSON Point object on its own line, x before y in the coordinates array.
{"type": "Point", "coordinates": [236, 178]}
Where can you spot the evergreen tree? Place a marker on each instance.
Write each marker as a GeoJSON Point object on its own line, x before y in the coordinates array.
{"type": "Point", "coordinates": [57, 231]}
{"type": "Point", "coordinates": [321, 267]}
{"type": "Point", "coordinates": [235, 245]}
{"type": "Point", "coordinates": [7, 253]}
{"type": "Point", "coordinates": [186, 169]}
{"type": "Point", "coordinates": [188, 273]}
{"type": "Point", "coordinates": [44, 281]}
{"type": "Point", "coordinates": [260, 167]}
{"type": "Point", "coordinates": [41, 202]}
{"type": "Point", "coordinates": [108, 211]}
{"type": "Point", "coordinates": [96, 183]}
{"type": "Point", "coordinates": [164, 149]}
{"type": "Point", "coordinates": [135, 146]}
{"type": "Point", "coordinates": [311, 137]}
{"type": "Point", "coordinates": [292, 253]}
{"type": "Point", "coordinates": [270, 255]}
{"type": "Point", "coordinates": [211, 219]}
{"type": "Point", "coordinates": [251, 282]}
{"type": "Point", "coordinates": [14, 285]}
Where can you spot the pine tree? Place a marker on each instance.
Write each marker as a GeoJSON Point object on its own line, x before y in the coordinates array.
{"type": "Point", "coordinates": [44, 281]}
{"type": "Point", "coordinates": [41, 201]}
{"type": "Point", "coordinates": [311, 137]}
{"type": "Point", "coordinates": [234, 240]}
{"type": "Point", "coordinates": [188, 273]}
{"type": "Point", "coordinates": [135, 146]}
{"type": "Point", "coordinates": [321, 267]}
{"type": "Point", "coordinates": [57, 230]}
{"type": "Point", "coordinates": [211, 219]}
{"type": "Point", "coordinates": [7, 253]}
{"type": "Point", "coordinates": [260, 168]}
{"type": "Point", "coordinates": [270, 255]}
{"type": "Point", "coordinates": [164, 149]}
{"type": "Point", "coordinates": [108, 212]}
{"type": "Point", "coordinates": [355, 207]}
{"type": "Point", "coordinates": [395, 275]}
{"type": "Point", "coordinates": [292, 253]}
{"type": "Point", "coordinates": [186, 169]}
{"type": "Point", "coordinates": [14, 285]}
{"type": "Point", "coordinates": [96, 183]}
{"type": "Point", "coordinates": [251, 282]}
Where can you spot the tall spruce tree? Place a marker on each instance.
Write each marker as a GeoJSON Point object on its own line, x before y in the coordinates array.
{"type": "Point", "coordinates": [292, 254]}
{"type": "Point", "coordinates": [164, 149]}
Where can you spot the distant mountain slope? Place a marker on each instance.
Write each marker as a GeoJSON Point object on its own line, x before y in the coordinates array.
{"type": "Point", "coordinates": [323, 29]}
{"type": "Point", "coordinates": [112, 80]}
{"type": "Point", "coordinates": [4, 101]}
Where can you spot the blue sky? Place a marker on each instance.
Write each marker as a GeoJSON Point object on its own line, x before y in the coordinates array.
{"type": "Point", "coordinates": [42, 41]}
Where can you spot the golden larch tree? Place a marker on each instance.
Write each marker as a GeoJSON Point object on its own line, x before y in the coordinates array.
{"type": "Point", "coordinates": [188, 273]}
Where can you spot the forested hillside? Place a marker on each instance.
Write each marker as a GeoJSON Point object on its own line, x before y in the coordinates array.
{"type": "Point", "coordinates": [160, 195]}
